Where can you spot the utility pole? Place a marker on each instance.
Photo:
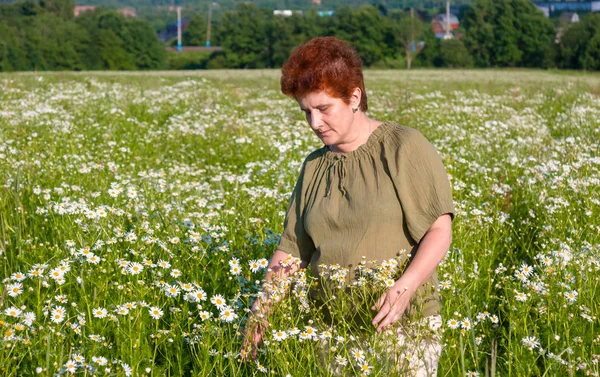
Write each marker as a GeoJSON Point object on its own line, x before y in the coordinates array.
{"type": "Point", "coordinates": [208, 27]}
{"type": "Point", "coordinates": [178, 29]}
{"type": "Point", "coordinates": [448, 35]}
{"type": "Point", "coordinates": [412, 29]}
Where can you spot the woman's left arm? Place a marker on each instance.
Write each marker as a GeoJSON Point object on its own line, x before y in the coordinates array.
{"type": "Point", "coordinates": [431, 251]}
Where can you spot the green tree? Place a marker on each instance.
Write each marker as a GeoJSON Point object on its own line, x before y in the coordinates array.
{"type": "Point", "coordinates": [430, 54]}
{"type": "Point", "coordinates": [573, 48]}
{"type": "Point", "coordinates": [507, 33]}
{"type": "Point", "coordinates": [143, 45]}
{"type": "Point", "coordinates": [281, 39]}
{"type": "Point", "coordinates": [62, 42]}
{"type": "Point", "coordinates": [60, 8]}
{"type": "Point", "coordinates": [112, 54]}
{"type": "Point", "coordinates": [409, 29]}
{"type": "Point", "coordinates": [243, 35]}
{"type": "Point", "coordinates": [365, 29]}
{"type": "Point", "coordinates": [454, 54]}
{"type": "Point", "coordinates": [121, 43]}
{"type": "Point", "coordinates": [591, 58]}
{"type": "Point", "coordinates": [12, 56]}
{"type": "Point", "coordinates": [195, 32]}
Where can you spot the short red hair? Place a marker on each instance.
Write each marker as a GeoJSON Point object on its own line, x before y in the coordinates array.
{"type": "Point", "coordinates": [324, 64]}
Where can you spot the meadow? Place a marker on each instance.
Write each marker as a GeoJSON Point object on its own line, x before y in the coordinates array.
{"type": "Point", "coordinates": [138, 212]}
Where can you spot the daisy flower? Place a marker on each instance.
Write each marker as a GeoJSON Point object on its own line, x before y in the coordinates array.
{"type": "Point", "coordinates": [14, 289]}
{"type": "Point", "coordinates": [18, 276]}
{"type": "Point", "coordinates": [365, 368]}
{"type": "Point", "coordinates": [358, 355]}
{"type": "Point", "coordinates": [235, 270]}
{"type": "Point", "coordinates": [530, 342]}
{"type": "Point", "coordinates": [101, 360]}
{"type": "Point", "coordinates": [453, 323]}
{"type": "Point", "coordinates": [227, 315]}
{"type": "Point", "coordinates": [135, 268]}
{"type": "Point", "coordinates": [100, 312]}
{"type": "Point", "coordinates": [279, 335]}
{"type": "Point", "coordinates": [58, 314]}
{"type": "Point", "coordinates": [218, 301]}
{"type": "Point", "coordinates": [13, 312]}
{"type": "Point", "coordinates": [254, 265]}
{"type": "Point", "coordinates": [155, 312]}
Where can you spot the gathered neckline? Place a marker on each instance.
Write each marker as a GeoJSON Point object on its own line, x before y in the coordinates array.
{"type": "Point", "coordinates": [362, 149]}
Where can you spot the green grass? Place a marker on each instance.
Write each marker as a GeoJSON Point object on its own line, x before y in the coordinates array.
{"type": "Point", "coordinates": [206, 162]}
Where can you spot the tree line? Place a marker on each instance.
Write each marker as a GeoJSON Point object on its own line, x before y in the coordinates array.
{"type": "Point", "coordinates": [44, 35]}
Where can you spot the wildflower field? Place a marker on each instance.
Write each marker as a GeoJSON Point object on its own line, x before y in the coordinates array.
{"type": "Point", "coordinates": [138, 213]}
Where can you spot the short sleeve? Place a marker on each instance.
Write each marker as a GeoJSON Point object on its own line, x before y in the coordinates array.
{"type": "Point", "coordinates": [294, 239]}
{"type": "Point", "coordinates": [420, 180]}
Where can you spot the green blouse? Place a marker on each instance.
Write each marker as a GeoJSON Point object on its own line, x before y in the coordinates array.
{"type": "Point", "coordinates": [372, 202]}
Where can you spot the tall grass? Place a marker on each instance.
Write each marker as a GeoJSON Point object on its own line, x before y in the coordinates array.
{"type": "Point", "coordinates": [137, 214]}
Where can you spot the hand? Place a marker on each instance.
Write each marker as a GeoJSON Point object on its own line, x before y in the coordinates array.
{"type": "Point", "coordinates": [392, 304]}
{"type": "Point", "coordinates": [253, 333]}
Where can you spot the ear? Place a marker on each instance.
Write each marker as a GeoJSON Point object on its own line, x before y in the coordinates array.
{"type": "Point", "coordinates": [355, 98]}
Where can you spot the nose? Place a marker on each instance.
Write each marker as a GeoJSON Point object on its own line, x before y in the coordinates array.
{"type": "Point", "coordinates": [314, 120]}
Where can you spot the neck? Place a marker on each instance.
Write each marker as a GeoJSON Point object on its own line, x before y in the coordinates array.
{"type": "Point", "coordinates": [363, 126]}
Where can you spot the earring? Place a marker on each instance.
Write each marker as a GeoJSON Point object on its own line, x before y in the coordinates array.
{"type": "Point", "coordinates": [355, 109]}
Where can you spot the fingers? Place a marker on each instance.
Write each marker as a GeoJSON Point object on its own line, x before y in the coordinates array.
{"type": "Point", "coordinates": [392, 316]}
{"type": "Point", "coordinates": [389, 312]}
{"type": "Point", "coordinates": [252, 337]}
{"type": "Point", "coordinates": [384, 309]}
{"type": "Point", "coordinates": [379, 302]}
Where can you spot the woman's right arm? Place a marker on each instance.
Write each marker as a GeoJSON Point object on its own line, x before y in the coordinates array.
{"type": "Point", "coordinates": [280, 267]}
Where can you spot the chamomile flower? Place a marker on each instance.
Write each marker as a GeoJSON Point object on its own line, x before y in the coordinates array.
{"type": "Point", "coordinates": [227, 314]}
{"type": "Point", "coordinates": [14, 289]}
{"type": "Point", "coordinates": [254, 265]}
{"type": "Point", "coordinates": [100, 360]}
{"type": "Point", "coordinates": [279, 335]}
{"type": "Point", "coordinates": [155, 312]}
{"type": "Point", "coordinates": [530, 342]}
{"type": "Point", "coordinates": [571, 296]}
{"type": "Point", "coordinates": [13, 312]}
{"type": "Point", "coordinates": [453, 323]}
{"type": "Point", "coordinates": [218, 301]}
{"type": "Point", "coordinates": [358, 354]}
{"type": "Point", "coordinates": [100, 312]}
{"type": "Point", "coordinates": [235, 270]}
{"type": "Point", "coordinates": [365, 368]}
{"type": "Point", "coordinates": [18, 276]}
{"type": "Point", "coordinates": [58, 314]}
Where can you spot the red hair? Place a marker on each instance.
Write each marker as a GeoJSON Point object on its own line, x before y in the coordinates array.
{"type": "Point", "coordinates": [324, 64]}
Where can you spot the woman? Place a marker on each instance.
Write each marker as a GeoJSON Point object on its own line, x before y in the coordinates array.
{"type": "Point", "coordinates": [373, 189]}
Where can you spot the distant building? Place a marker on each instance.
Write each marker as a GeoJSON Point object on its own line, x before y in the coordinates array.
{"type": "Point", "coordinates": [127, 12]}
{"type": "Point", "coordinates": [170, 31]}
{"type": "Point", "coordinates": [325, 13]}
{"type": "Point", "coordinates": [439, 24]}
{"type": "Point", "coordinates": [286, 12]}
{"type": "Point", "coordinates": [83, 8]}
{"type": "Point", "coordinates": [545, 10]}
{"type": "Point", "coordinates": [550, 7]}
{"type": "Point", "coordinates": [78, 9]}
{"type": "Point", "coordinates": [566, 18]}
{"type": "Point", "coordinates": [569, 17]}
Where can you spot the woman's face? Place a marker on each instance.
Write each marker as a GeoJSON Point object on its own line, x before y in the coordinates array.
{"type": "Point", "coordinates": [329, 117]}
